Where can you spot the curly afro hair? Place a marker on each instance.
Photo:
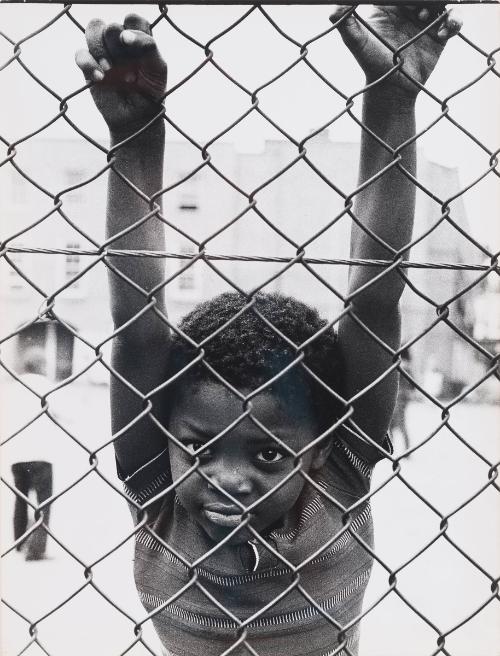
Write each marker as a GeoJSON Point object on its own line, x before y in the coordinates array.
{"type": "Point", "coordinates": [248, 352]}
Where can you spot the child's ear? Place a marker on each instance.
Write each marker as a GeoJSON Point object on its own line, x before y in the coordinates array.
{"type": "Point", "coordinates": [321, 454]}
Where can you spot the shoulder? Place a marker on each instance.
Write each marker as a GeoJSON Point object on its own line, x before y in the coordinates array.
{"type": "Point", "coordinates": [148, 487]}
{"type": "Point", "coordinates": [352, 460]}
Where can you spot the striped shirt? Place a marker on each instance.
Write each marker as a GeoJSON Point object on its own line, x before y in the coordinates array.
{"type": "Point", "coordinates": [291, 593]}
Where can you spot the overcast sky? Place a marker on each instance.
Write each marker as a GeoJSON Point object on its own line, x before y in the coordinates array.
{"type": "Point", "coordinates": [254, 53]}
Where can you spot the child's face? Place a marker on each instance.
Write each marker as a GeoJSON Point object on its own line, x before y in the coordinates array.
{"type": "Point", "coordinates": [245, 462]}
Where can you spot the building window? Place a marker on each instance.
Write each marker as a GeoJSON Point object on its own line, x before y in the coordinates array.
{"type": "Point", "coordinates": [188, 202]}
{"type": "Point", "coordinates": [72, 265]}
{"type": "Point", "coordinates": [16, 282]}
{"type": "Point", "coordinates": [72, 178]}
{"type": "Point", "coordinates": [187, 280]}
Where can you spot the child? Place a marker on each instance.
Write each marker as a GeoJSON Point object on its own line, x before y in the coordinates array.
{"type": "Point", "coordinates": [257, 533]}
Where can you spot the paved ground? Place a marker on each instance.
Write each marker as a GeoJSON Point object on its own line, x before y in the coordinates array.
{"type": "Point", "coordinates": [441, 583]}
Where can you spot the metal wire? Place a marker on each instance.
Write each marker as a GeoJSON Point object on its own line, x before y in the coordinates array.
{"type": "Point", "coordinates": [103, 253]}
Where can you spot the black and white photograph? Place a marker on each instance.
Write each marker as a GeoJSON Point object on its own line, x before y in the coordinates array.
{"type": "Point", "coordinates": [249, 328]}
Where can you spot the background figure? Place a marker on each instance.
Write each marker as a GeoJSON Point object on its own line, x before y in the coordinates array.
{"type": "Point", "coordinates": [434, 382]}
{"type": "Point", "coordinates": [29, 453]}
{"type": "Point", "coordinates": [31, 476]}
{"type": "Point", "coordinates": [405, 393]}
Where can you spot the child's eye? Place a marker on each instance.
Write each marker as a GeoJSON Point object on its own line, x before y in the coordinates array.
{"type": "Point", "coordinates": [194, 445]}
{"type": "Point", "coordinates": [270, 455]}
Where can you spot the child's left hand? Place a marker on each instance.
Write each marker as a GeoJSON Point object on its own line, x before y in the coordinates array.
{"type": "Point", "coordinates": [397, 25]}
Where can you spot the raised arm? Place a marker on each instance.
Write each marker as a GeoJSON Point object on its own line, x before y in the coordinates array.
{"type": "Point", "coordinates": [129, 79]}
{"type": "Point", "coordinates": [386, 206]}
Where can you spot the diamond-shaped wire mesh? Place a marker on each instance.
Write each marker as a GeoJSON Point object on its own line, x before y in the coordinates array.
{"type": "Point", "coordinates": [262, 117]}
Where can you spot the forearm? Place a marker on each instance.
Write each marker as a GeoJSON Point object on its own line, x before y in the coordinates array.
{"type": "Point", "coordinates": [385, 207]}
{"type": "Point", "coordinates": [141, 162]}
{"type": "Point", "coordinates": [140, 350]}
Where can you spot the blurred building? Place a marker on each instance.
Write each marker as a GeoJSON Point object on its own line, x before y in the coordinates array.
{"type": "Point", "coordinates": [297, 209]}
{"type": "Point", "coordinates": [485, 307]}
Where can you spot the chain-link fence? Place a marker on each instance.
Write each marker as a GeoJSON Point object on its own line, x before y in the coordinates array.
{"type": "Point", "coordinates": [262, 122]}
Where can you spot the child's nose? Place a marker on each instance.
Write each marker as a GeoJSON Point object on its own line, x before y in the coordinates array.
{"type": "Point", "coordinates": [231, 480]}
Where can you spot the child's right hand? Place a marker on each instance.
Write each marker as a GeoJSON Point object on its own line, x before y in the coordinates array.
{"type": "Point", "coordinates": [128, 72]}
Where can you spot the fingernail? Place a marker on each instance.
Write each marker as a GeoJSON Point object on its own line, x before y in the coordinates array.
{"type": "Point", "coordinates": [129, 77]}
{"type": "Point", "coordinates": [423, 14]}
{"type": "Point", "coordinates": [128, 37]}
{"type": "Point", "coordinates": [104, 64]}
{"type": "Point", "coordinates": [97, 75]}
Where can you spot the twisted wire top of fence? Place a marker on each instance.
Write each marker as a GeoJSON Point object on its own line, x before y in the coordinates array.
{"type": "Point", "coordinates": [447, 426]}
{"type": "Point", "coordinates": [247, 2]}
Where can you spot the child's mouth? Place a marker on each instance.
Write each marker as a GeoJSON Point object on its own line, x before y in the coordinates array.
{"type": "Point", "coordinates": [222, 515]}
{"type": "Point", "coordinates": [228, 521]}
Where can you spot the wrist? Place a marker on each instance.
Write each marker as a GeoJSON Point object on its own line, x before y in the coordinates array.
{"type": "Point", "coordinates": [152, 138]}
{"type": "Point", "coordinates": [391, 98]}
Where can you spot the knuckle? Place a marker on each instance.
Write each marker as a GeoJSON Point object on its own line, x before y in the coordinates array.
{"type": "Point", "coordinates": [132, 17]}
{"type": "Point", "coordinates": [94, 28]}
{"type": "Point", "coordinates": [82, 57]}
{"type": "Point", "coordinates": [148, 42]}
{"type": "Point", "coordinates": [113, 27]}
{"type": "Point", "coordinates": [95, 23]}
